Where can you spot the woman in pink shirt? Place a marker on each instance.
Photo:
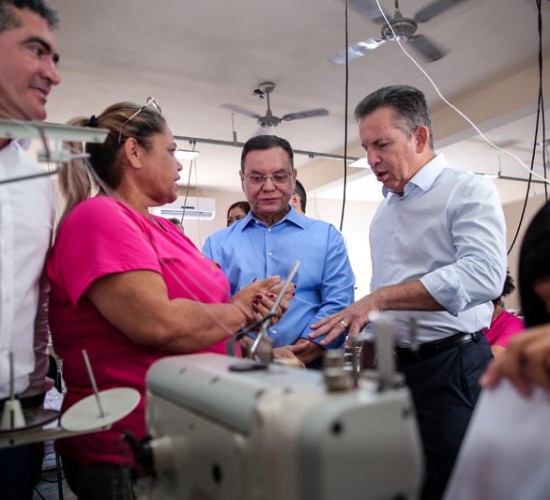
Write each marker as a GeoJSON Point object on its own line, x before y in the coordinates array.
{"type": "Point", "coordinates": [504, 324]}
{"type": "Point", "coordinates": [129, 287]}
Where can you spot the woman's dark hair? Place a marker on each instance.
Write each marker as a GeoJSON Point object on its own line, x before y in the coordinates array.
{"type": "Point", "coordinates": [105, 158]}
{"type": "Point", "coordinates": [534, 266]}
{"type": "Point", "coordinates": [243, 205]}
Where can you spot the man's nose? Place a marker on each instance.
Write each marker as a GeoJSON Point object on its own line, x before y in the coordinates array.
{"type": "Point", "coordinates": [51, 72]}
{"type": "Point", "coordinates": [268, 184]}
{"type": "Point", "coordinates": [372, 158]}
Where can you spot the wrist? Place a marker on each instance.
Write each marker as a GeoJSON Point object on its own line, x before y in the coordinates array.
{"type": "Point", "coordinates": [245, 313]}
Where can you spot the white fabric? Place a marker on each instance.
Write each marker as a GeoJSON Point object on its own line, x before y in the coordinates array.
{"type": "Point", "coordinates": [27, 210]}
{"type": "Point", "coordinates": [506, 451]}
{"type": "Point", "coordinates": [448, 231]}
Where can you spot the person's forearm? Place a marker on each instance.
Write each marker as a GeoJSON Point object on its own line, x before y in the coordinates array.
{"type": "Point", "coordinates": [409, 296]}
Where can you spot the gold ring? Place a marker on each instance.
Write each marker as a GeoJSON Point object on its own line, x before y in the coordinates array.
{"type": "Point", "coordinates": [343, 324]}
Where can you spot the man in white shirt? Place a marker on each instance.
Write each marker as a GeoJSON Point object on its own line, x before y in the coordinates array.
{"type": "Point", "coordinates": [28, 70]}
{"type": "Point", "coordinates": [438, 249]}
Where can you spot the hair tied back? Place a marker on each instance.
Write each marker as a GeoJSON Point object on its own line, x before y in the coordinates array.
{"type": "Point", "coordinates": [93, 123]}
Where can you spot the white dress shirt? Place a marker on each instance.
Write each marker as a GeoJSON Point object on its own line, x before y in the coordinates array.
{"type": "Point", "coordinates": [448, 231]}
{"type": "Point", "coordinates": [27, 210]}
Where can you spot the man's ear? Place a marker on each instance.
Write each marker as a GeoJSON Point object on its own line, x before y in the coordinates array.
{"type": "Point", "coordinates": [422, 138]}
{"type": "Point", "coordinates": [133, 152]}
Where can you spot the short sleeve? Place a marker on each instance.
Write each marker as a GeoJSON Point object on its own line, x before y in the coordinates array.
{"type": "Point", "coordinates": [100, 237]}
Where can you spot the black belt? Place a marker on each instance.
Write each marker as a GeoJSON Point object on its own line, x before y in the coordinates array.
{"type": "Point", "coordinates": [430, 349]}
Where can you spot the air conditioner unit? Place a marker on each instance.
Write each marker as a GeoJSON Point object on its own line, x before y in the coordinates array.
{"type": "Point", "coordinates": [190, 208]}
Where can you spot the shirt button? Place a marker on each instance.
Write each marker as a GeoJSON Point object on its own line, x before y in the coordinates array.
{"type": "Point", "coordinates": [269, 253]}
{"type": "Point", "coordinates": [274, 332]}
{"type": "Point", "coordinates": [268, 229]}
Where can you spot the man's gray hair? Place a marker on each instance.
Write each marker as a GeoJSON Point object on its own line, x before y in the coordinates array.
{"type": "Point", "coordinates": [9, 19]}
{"type": "Point", "coordinates": [409, 104]}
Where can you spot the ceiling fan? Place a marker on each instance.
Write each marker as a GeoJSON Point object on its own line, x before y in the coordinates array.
{"type": "Point", "coordinates": [269, 119]}
{"type": "Point", "coordinates": [403, 27]}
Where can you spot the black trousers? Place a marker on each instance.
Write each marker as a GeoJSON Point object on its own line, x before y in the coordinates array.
{"type": "Point", "coordinates": [100, 480]}
{"type": "Point", "coordinates": [445, 389]}
{"type": "Point", "coordinates": [21, 466]}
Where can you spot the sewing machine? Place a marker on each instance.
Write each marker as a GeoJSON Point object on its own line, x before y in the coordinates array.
{"type": "Point", "coordinates": [224, 428]}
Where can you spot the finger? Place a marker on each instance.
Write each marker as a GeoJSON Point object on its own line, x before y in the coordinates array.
{"type": "Point", "coordinates": [330, 336]}
{"type": "Point", "coordinates": [513, 367]}
{"type": "Point", "coordinates": [539, 374]}
{"type": "Point", "coordinates": [270, 282]}
{"type": "Point", "coordinates": [298, 348]}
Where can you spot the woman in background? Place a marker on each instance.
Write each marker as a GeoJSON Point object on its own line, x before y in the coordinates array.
{"type": "Point", "coordinates": [504, 324]}
{"type": "Point", "coordinates": [129, 287]}
{"type": "Point", "coordinates": [237, 211]}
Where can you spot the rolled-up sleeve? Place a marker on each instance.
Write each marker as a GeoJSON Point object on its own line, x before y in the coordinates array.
{"type": "Point", "coordinates": [478, 231]}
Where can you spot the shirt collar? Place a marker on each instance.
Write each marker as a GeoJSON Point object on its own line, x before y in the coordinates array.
{"type": "Point", "coordinates": [425, 177]}
{"type": "Point", "coordinates": [292, 217]}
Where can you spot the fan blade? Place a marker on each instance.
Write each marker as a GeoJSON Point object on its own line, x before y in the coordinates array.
{"type": "Point", "coordinates": [427, 47]}
{"type": "Point", "coordinates": [356, 51]}
{"type": "Point", "coordinates": [434, 9]}
{"type": "Point", "coordinates": [368, 8]}
{"type": "Point", "coordinates": [305, 114]}
{"type": "Point", "coordinates": [241, 111]}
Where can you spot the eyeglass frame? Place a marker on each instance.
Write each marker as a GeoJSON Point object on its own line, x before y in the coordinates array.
{"type": "Point", "coordinates": [265, 177]}
{"type": "Point", "coordinates": [150, 100]}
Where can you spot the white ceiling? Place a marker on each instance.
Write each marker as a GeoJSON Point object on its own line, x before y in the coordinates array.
{"type": "Point", "coordinates": [195, 56]}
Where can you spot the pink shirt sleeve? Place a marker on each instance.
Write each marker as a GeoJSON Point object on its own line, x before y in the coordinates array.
{"type": "Point", "coordinates": [101, 237]}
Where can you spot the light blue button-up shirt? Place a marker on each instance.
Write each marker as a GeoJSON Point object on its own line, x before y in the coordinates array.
{"type": "Point", "coordinates": [448, 231]}
{"type": "Point", "coordinates": [324, 282]}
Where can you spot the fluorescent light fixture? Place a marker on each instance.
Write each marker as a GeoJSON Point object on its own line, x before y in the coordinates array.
{"type": "Point", "coordinates": [360, 163]}
{"type": "Point", "coordinates": [186, 154]}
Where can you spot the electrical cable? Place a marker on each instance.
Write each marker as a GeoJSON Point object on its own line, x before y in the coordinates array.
{"type": "Point", "coordinates": [346, 103]}
{"type": "Point", "coordinates": [540, 112]}
{"type": "Point", "coordinates": [187, 187]}
{"type": "Point", "coordinates": [540, 119]}
{"type": "Point", "coordinates": [474, 126]}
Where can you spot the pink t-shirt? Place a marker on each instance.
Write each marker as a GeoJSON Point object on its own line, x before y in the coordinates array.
{"type": "Point", "coordinates": [504, 327]}
{"type": "Point", "coordinates": [102, 236]}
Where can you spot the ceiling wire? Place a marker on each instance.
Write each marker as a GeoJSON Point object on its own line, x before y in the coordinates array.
{"type": "Point", "coordinates": [540, 119]}
{"type": "Point", "coordinates": [434, 85]}
{"type": "Point", "coordinates": [346, 102]}
{"type": "Point", "coordinates": [187, 186]}
{"type": "Point", "coordinates": [540, 113]}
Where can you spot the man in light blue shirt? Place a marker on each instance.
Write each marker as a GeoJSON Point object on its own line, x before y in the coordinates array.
{"type": "Point", "coordinates": [272, 237]}
{"type": "Point", "coordinates": [438, 249]}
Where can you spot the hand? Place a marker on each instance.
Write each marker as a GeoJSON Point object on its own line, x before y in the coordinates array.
{"type": "Point", "coordinates": [263, 304]}
{"type": "Point", "coordinates": [287, 352]}
{"type": "Point", "coordinates": [306, 350]}
{"type": "Point", "coordinates": [254, 295]}
{"type": "Point", "coordinates": [353, 317]}
{"type": "Point", "coordinates": [526, 362]}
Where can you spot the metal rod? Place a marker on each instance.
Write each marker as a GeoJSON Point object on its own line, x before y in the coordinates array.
{"type": "Point", "coordinates": [12, 388]}
{"type": "Point", "coordinates": [29, 177]}
{"type": "Point", "coordinates": [519, 179]}
{"type": "Point", "coordinates": [235, 144]}
{"type": "Point", "coordinates": [92, 381]}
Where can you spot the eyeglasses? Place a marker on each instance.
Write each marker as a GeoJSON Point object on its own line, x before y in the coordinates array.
{"type": "Point", "coordinates": [258, 179]}
{"type": "Point", "coordinates": [148, 102]}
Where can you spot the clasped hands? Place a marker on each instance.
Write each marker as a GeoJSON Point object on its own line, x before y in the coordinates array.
{"type": "Point", "coordinates": [257, 299]}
